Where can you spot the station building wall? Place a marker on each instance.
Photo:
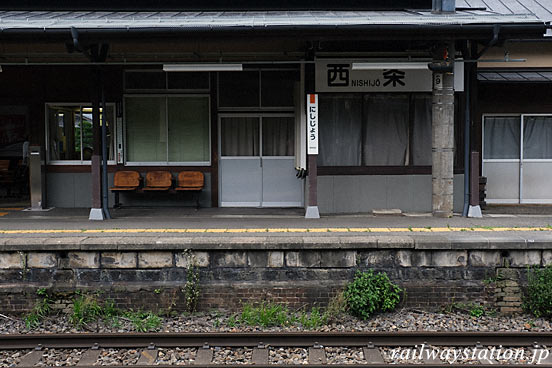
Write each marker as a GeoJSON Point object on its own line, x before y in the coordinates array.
{"type": "Point", "coordinates": [364, 193]}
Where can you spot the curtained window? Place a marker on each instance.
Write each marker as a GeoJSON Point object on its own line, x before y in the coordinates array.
{"type": "Point", "coordinates": [167, 129]}
{"type": "Point", "coordinates": [375, 129]}
{"type": "Point", "coordinates": [502, 137]}
{"type": "Point", "coordinates": [537, 137]}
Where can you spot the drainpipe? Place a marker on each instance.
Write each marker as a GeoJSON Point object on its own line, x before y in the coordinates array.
{"type": "Point", "coordinates": [467, 146]}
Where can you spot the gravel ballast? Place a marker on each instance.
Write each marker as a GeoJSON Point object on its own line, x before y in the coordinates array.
{"type": "Point", "coordinates": [401, 320]}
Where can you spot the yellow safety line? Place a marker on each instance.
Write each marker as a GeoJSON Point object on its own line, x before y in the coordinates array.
{"type": "Point", "coordinates": [278, 230]}
{"type": "Point", "coordinates": [12, 208]}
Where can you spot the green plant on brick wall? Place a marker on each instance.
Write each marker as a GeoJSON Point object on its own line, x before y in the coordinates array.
{"type": "Point", "coordinates": [538, 300]}
{"type": "Point", "coordinates": [40, 310]}
{"type": "Point", "coordinates": [191, 289]}
{"type": "Point", "coordinates": [86, 309]}
{"type": "Point", "coordinates": [370, 293]}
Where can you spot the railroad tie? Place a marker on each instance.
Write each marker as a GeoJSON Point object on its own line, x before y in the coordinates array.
{"type": "Point", "coordinates": [372, 355]}
{"type": "Point", "coordinates": [89, 357]}
{"type": "Point", "coordinates": [31, 359]}
{"type": "Point", "coordinates": [260, 356]}
{"type": "Point", "coordinates": [431, 360]}
{"type": "Point", "coordinates": [317, 354]}
{"type": "Point", "coordinates": [204, 355]}
{"type": "Point", "coordinates": [148, 356]}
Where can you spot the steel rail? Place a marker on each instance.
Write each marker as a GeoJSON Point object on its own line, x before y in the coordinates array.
{"type": "Point", "coordinates": [331, 365]}
{"type": "Point", "coordinates": [279, 339]}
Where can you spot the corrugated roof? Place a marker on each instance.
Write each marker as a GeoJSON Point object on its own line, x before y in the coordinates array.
{"type": "Point", "coordinates": [515, 76]}
{"type": "Point", "coordinates": [541, 8]}
{"type": "Point", "coordinates": [13, 20]}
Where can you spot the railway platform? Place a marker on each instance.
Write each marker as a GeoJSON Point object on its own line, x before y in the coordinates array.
{"type": "Point", "coordinates": [277, 255]}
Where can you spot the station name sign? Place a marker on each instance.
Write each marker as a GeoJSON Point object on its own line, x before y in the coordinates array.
{"type": "Point", "coordinates": [312, 124]}
{"type": "Point", "coordinates": [339, 76]}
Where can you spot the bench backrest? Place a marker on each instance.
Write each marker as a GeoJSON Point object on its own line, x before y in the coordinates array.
{"type": "Point", "coordinates": [158, 179]}
{"type": "Point", "coordinates": [190, 179]}
{"type": "Point", "coordinates": [127, 179]}
{"type": "Point", "coordinates": [4, 165]}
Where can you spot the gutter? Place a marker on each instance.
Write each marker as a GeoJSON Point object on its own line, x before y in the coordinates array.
{"type": "Point", "coordinates": [385, 31]}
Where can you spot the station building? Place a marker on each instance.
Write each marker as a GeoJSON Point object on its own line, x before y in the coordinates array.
{"type": "Point", "coordinates": [223, 90]}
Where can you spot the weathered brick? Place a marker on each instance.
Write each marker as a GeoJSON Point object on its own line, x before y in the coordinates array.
{"type": "Point", "coordinates": [12, 260]}
{"type": "Point", "coordinates": [511, 299]}
{"type": "Point", "coordinates": [524, 258]}
{"type": "Point", "coordinates": [182, 259]}
{"type": "Point", "coordinates": [404, 258]}
{"type": "Point", "coordinates": [84, 259]}
{"type": "Point", "coordinates": [118, 260]}
{"type": "Point", "coordinates": [338, 258]}
{"type": "Point", "coordinates": [41, 260]}
{"type": "Point", "coordinates": [547, 258]}
{"type": "Point", "coordinates": [449, 258]}
{"type": "Point", "coordinates": [230, 259]}
{"type": "Point", "coordinates": [421, 258]}
{"type": "Point", "coordinates": [303, 259]}
{"type": "Point", "coordinates": [479, 258]}
{"type": "Point", "coordinates": [257, 259]}
{"type": "Point", "coordinates": [275, 259]}
{"type": "Point", "coordinates": [378, 258]}
{"type": "Point", "coordinates": [155, 259]}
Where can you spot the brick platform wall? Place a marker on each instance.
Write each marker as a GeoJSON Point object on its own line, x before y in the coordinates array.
{"type": "Point", "coordinates": [155, 279]}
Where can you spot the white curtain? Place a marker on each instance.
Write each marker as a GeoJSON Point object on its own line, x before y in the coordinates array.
{"type": "Point", "coordinates": [386, 133]}
{"type": "Point", "coordinates": [340, 135]}
{"type": "Point", "coordinates": [240, 136]}
{"type": "Point", "coordinates": [420, 152]}
{"type": "Point", "coordinates": [278, 136]}
{"type": "Point", "coordinates": [537, 137]}
{"type": "Point", "coordinates": [502, 137]}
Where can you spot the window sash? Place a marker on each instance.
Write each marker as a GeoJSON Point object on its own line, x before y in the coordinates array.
{"type": "Point", "coordinates": [70, 106]}
{"type": "Point", "coordinates": [354, 137]}
{"type": "Point", "coordinates": [167, 162]}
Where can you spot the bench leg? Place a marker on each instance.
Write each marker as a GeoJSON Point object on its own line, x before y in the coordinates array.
{"type": "Point", "coordinates": [117, 204]}
{"type": "Point", "coordinates": [197, 200]}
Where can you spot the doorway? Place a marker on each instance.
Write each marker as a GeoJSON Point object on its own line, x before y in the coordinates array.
{"type": "Point", "coordinates": [517, 158]}
{"type": "Point", "coordinates": [257, 163]}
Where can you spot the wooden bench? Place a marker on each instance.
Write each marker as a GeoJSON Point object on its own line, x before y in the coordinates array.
{"type": "Point", "coordinates": [158, 181]}
{"type": "Point", "coordinates": [190, 181]}
{"type": "Point", "coordinates": [125, 181]}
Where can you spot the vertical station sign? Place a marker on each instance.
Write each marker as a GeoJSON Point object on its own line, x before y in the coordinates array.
{"type": "Point", "coordinates": [312, 124]}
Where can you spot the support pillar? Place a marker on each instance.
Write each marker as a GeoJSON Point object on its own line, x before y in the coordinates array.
{"type": "Point", "coordinates": [312, 143]}
{"type": "Point", "coordinates": [96, 212]}
{"type": "Point", "coordinates": [312, 182]}
{"type": "Point", "coordinates": [442, 142]}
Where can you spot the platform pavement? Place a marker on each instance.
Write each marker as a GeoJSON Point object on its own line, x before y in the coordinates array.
{"type": "Point", "coordinates": [144, 228]}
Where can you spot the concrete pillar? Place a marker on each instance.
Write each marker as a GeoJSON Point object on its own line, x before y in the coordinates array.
{"type": "Point", "coordinates": [442, 143]}
{"type": "Point", "coordinates": [96, 212]}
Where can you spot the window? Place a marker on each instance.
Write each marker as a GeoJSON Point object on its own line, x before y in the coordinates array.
{"type": "Point", "coordinates": [70, 132]}
{"type": "Point", "coordinates": [501, 137]}
{"type": "Point", "coordinates": [258, 89]}
{"type": "Point", "coordinates": [167, 129]}
{"type": "Point", "coordinates": [375, 129]}
{"type": "Point", "coordinates": [158, 80]}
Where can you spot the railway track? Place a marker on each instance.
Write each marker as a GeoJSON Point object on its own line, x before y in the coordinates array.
{"type": "Point", "coordinates": [314, 349]}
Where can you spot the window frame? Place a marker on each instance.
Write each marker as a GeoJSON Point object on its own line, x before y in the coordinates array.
{"type": "Point", "coordinates": [521, 117]}
{"type": "Point", "coordinates": [163, 90]}
{"type": "Point", "coordinates": [383, 169]}
{"type": "Point", "coordinates": [259, 107]}
{"type": "Point", "coordinates": [165, 163]}
{"type": "Point", "coordinates": [77, 162]}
